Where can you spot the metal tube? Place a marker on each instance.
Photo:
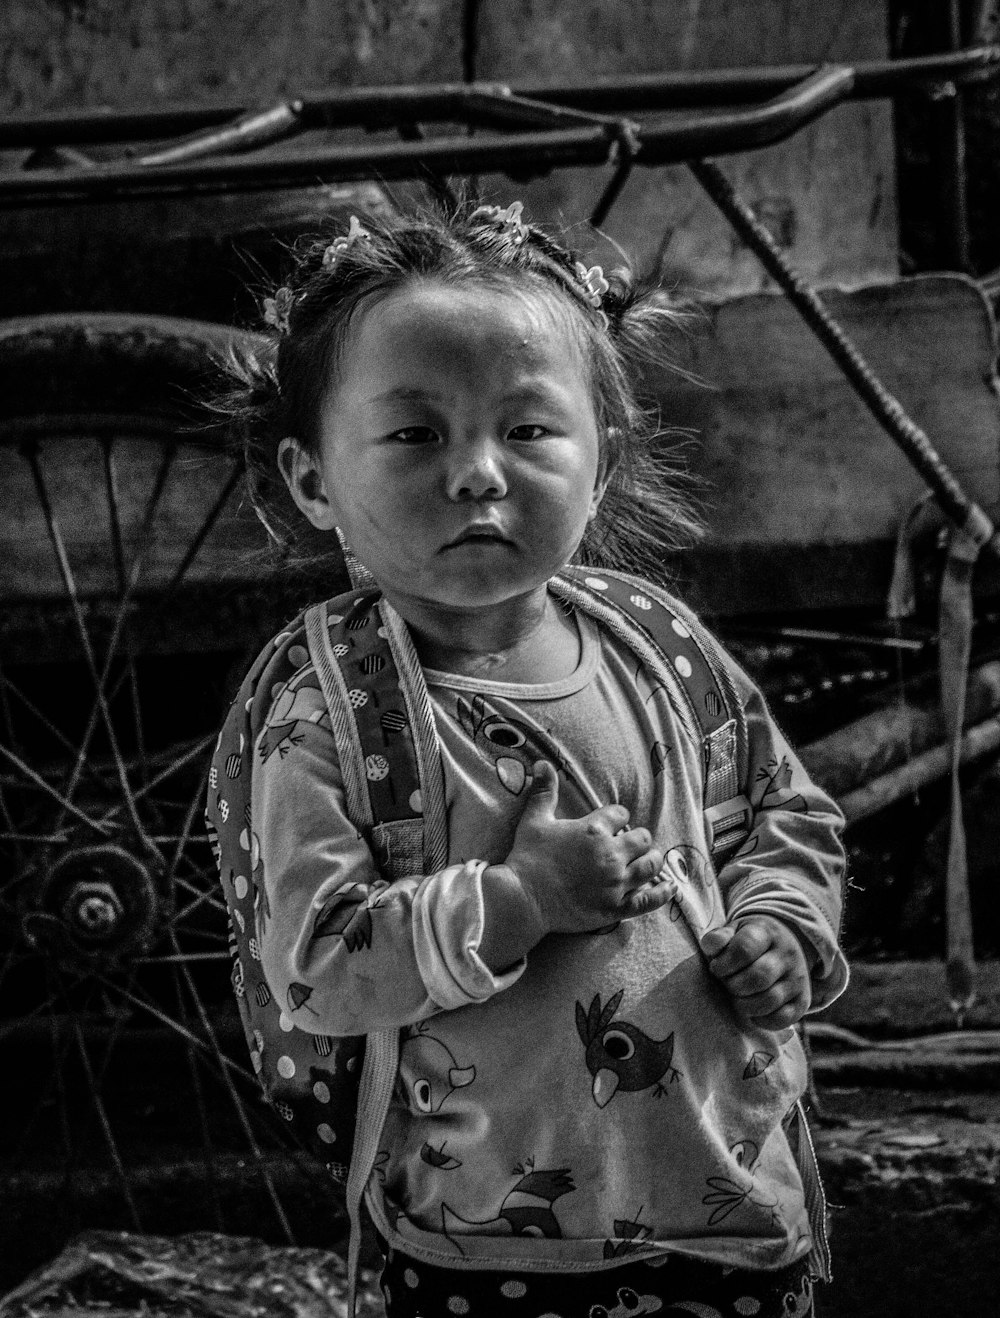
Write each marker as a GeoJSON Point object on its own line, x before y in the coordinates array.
{"type": "Point", "coordinates": [664, 141]}
{"type": "Point", "coordinates": [247, 133]}
{"type": "Point", "coordinates": [387, 105]}
{"type": "Point", "coordinates": [950, 116]}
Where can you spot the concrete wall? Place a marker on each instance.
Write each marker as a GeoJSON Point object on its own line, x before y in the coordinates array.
{"type": "Point", "coordinates": [829, 194]}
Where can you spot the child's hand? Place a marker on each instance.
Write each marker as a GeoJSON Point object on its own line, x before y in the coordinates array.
{"type": "Point", "coordinates": [580, 874]}
{"type": "Point", "coordinates": [763, 967]}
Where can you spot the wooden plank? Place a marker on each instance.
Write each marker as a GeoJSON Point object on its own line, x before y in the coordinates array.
{"type": "Point", "coordinates": [805, 489]}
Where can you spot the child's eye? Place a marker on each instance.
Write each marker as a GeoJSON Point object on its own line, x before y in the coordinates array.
{"type": "Point", "coordinates": [414, 435]}
{"type": "Point", "coordinates": [527, 432]}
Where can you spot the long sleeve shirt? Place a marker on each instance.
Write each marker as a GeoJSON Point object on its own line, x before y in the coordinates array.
{"type": "Point", "coordinates": [601, 1099]}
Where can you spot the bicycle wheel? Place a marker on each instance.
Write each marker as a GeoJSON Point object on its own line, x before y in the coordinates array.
{"type": "Point", "coordinates": [132, 586]}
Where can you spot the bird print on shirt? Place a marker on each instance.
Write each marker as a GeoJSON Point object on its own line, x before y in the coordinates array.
{"type": "Point", "coordinates": [619, 1055]}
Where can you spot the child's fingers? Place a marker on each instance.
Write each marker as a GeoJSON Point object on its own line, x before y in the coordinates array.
{"type": "Point", "coordinates": [715, 941]}
{"type": "Point", "coordinates": [637, 843]}
{"type": "Point", "coordinates": [758, 977]}
{"type": "Point", "coordinates": [645, 868]}
{"type": "Point", "coordinates": [741, 948]}
{"type": "Point", "coordinates": [648, 897]}
{"type": "Point", "coordinates": [777, 1007]}
{"type": "Point", "coordinates": [610, 819]}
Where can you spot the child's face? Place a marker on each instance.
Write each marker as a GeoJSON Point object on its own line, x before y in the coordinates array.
{"type": "Point", "coordinates": [459, 451]}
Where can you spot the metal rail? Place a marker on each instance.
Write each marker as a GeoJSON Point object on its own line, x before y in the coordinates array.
{"type": "Point", "coordinates": [478, 127]}
{"type": "Point", "coordinates": [373, 107]}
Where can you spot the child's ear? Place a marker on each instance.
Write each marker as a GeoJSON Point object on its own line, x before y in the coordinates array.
{"type": "Point", "coordinates": [305, 483]}
{"type": "Point", "coordinates": [603, 479]}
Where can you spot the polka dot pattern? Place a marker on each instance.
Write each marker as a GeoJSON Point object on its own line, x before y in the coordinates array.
{"type": "Point", "coordinates": [513, 1290]}
{"type": "Point", "coordinates": [458, 1304]}
{"type": "Point", "coordinates": [279, 1053]}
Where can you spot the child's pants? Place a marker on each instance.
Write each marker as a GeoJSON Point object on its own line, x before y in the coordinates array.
{"type": "Point", "coordinates": [681, 1286]}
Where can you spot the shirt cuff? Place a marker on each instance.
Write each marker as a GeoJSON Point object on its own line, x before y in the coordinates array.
{"type": "Point", "coordinates": [448, 919]}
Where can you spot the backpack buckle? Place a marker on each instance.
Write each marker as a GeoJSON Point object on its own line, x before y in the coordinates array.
{"type": "Point", "coordinates": [728, 823]}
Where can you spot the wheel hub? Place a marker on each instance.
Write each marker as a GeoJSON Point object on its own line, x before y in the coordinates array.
{"type": "Point", "coordinates": [96, 904]}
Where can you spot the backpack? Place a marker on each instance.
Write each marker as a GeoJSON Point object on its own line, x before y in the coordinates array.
{"type": "Point", "coordinates": [383, 729]}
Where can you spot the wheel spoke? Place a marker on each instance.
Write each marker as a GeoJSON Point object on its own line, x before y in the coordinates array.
{"type": "Point", "coordinates": [201, 895]}
{"type": "Point", "coordinates": [238, 1105]}
{"type": "Point", "coordinates": [150, 1008]}
{"type": "Point", "coordinates": [5, 813]}
{"type": "Point", "coordinates": [102, 1117]}
{"type": "Point", "coordinates": [186, 827]}
{"type": "Point", "coordinates": [67, 806]}
{"type": "Point", "coordinates": [199, 1094]}
{"type": "Point", "coordinates": [175, 958]}
{"type": "Point", "coordinates": [48, 725]}
{"type": "Point", "coordinates": [40, 839]}
{"type": "Point", "coordinates": [191, 753]}
{"type": "Point", "coordinates": [145, 540]}
{"type": "Point", "coordinates": [69, 585]}
{"type": "Point", "coordinates": [118, 550]}
{"type": "Point", "coordinates": [211, 517]}
{"type": "Point", "coordinates": [60, 1051]}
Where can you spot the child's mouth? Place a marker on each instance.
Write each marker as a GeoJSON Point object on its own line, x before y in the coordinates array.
{"type": "Point", "coordinates": [478, 535]}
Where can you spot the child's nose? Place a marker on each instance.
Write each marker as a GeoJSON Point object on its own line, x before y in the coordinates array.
{"type": "Point", "coordinates": [475, 471]}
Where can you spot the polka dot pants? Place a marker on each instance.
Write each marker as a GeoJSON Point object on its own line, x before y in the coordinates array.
{"type": "Point", "coordinates": [679, 1286]}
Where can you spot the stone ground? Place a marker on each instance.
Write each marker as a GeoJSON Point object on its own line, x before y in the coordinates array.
{"type": "Point", "coordinates": [912, 1179]}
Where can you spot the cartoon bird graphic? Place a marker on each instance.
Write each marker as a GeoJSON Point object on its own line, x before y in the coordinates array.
{"type": "Point", "coordinates": [429, 1071]}
{"type": "Point", "coordinates": [796, 1304]}
{"type": "Point", "coordinates": [348, 914]}
{"type": "Point", "coordinates": [692, 869]}
{"type": "Point", "coordinates": [299, 702]}
{"type": "Point", "coordinates": [630, 1305]}
{"type": "Point", "coordinates": [506, 741]}
{"type": "Point", "coordinates": [727, 1193]}
{"type": "Point", "coordinates": [619, 1055]}
{"type": "Point", "coordinates": [772, 788]}
{"type": "Point", "coordinates": [526, 1208]}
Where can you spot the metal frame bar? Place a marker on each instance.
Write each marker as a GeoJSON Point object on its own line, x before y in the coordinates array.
{"type": "Point", "coordinates": [373, 107]}
{"type": "Point", "coordinates": [528, 130]}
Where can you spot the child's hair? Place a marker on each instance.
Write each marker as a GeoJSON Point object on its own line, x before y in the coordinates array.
{"type": "Point", "coordinates": [622, 330]}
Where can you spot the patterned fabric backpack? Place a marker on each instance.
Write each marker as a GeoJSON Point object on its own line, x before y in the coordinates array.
{"type": "Point", "coordinates": [381, 722]}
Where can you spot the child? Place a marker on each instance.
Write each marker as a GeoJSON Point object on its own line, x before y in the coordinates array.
{"type": "Point", "coordinates": [595, 1107]}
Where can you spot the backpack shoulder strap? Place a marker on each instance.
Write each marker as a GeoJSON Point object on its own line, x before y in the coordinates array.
{"type": "Point", "coordinates": [686, 648]}
{"type": "Point", "coordinates": [369, 714]}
